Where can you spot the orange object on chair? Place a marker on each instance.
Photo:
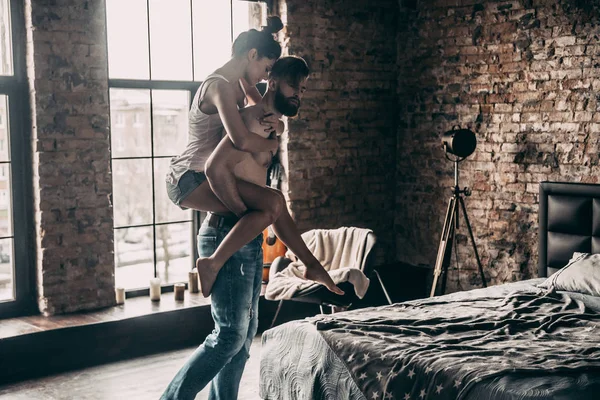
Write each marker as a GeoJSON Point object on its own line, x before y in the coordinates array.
{"type": "Point", "coordinates": [272, 248]}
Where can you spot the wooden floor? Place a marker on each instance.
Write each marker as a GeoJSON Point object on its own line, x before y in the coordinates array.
{"type": "Point", "coordinates": [143, 378]}
{"type": "Point", "coordinates": [62, 343]}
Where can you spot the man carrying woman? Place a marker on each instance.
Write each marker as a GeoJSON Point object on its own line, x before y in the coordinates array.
{"type": "Point", "coordinates": [223, 171]}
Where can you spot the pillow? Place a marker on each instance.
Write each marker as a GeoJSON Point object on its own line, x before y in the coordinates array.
{"type": "Point", "coordinates": [576, 255]}
{"type": "Point", "coordinates": [581, 275]}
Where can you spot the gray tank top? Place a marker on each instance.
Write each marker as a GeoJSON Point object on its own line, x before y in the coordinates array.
{"type": "Point", "coordinates": [205, 133]}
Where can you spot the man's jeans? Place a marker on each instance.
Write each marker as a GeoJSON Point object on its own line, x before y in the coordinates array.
{"type": "Point", "coordinates": [234, 306]}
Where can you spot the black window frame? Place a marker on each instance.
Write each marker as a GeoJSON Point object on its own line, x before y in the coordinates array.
{"type": "Point", "coordinates": [19, 134]}
{"type": "Point", "coordinates": [150, 84]}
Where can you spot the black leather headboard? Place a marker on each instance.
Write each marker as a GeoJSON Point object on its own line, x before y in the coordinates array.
{"type": "Point", "coordinates": [569, 221]}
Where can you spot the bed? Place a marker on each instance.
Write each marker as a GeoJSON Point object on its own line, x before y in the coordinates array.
{"type": "Point", "coordinates": [512, 341]}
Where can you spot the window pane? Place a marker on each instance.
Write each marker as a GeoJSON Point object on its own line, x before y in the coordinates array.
{"type": "Point", "coordinates": [7, 279]}
{"type": "Point", "coordinates": [170, 114]}
{"type": "Point", "coordinates": [132, 192]}
{"type": "Point", "coordinates": [173, 248]}
{"type": "Point", "coordinates": [171, 40]}
{"type": "Point", "coordinates": [212, 36]}
{"type": "Point", "coordinates": [6, 67]}
{"type": "Point", "coordinates": [130, 123]}
{"type": "Point", "coordinates": [248, 15]}
{"type": "Point", "coordinates": [127, 32]}
{"type": "Point", "coordinates": [4, 145]}
{"type": "Point", "coordinates": [6, 228]}
{"type": "Point", "coordinates": [165, 210]}
{"type": "Point", "coordinates": [134, 257]}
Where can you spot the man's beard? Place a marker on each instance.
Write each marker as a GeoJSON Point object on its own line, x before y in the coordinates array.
{"type": "Point", "coordinates": [284, 105]}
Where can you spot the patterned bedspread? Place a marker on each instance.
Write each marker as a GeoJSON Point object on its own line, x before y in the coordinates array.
{"type": "Point", "coordinates": [441, 348]}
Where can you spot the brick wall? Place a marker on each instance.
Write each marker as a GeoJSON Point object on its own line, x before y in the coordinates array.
{"type": "Point", "coordinates": [386, 83]}
{"type": "Point", "coordinates": [339, 154]}
{"type": "Point", "coordinates": [524, 75]}
{"type": "Point", "coordinates": [340, 151]}
{"type": "Point", "coordinates": [67, 69]}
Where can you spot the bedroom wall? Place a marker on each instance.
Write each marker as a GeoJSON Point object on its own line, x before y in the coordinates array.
{"type": "Point", "coordinates": [339, 154]}
{"type": "Point", "coordinates": [524, 75]}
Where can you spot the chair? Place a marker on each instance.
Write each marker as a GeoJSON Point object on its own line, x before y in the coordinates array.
{"type": "Point", "coordinates": [319, 294]}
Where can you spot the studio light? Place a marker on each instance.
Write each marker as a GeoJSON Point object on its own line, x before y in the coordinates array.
{"type": "Point", "coordinates": [459, 142]}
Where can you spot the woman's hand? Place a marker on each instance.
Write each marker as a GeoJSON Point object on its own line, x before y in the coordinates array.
{"type": "Point", "coordinates": [269, 122]}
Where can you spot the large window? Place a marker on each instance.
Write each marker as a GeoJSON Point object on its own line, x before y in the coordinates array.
{"type": "Point", "coordinates": [15, 260]}
{"type": "Point", "coordinates": [158, 53]}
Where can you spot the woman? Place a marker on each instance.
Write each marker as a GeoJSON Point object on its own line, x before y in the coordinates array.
{"type": "Point", "coordinates": [216, 106]}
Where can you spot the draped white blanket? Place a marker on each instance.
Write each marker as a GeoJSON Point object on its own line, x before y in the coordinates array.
{"type": "Point", "coordinates": [341, 252]}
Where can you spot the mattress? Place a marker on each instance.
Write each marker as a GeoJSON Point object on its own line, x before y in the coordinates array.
{"type": "Point", "coordinates": [381, 353]}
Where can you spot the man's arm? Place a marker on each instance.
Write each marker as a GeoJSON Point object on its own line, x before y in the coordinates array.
{"type": "Point", "coordinates": [219, 171]}
{"type": "Point", "coordinates": [226, 164]}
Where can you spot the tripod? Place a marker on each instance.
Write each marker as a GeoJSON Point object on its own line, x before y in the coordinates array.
{"type": "Point", "coordinates": [449, 232]}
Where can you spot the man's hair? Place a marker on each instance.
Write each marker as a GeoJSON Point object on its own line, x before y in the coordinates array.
{"type": "Point", "coordinates": [292, 69]}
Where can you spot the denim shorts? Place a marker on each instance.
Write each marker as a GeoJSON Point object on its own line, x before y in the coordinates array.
{"type": "Point", "coordinates": [188, 182]}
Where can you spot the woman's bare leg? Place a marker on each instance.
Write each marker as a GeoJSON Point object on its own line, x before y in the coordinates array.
{"type": "Point", "coordinates": [220, 174]}
{"type": "Point", "coordinates": [257, 206]}
{"type": "Point", "coordinates": [270, 206]}
{"type": "Point", "coordinates": [265, 209]}
{"type": "Point", "coordinates": [285, 228]}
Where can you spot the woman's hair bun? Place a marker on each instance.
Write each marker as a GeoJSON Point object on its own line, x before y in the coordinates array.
{"type": "Point", "coordinates": [274, 25]}
{"type": "Point", "coordinates": [264, 41]}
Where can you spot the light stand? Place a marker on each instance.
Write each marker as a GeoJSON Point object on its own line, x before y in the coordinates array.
{"type": "Point", "coordinates": [450, 226]}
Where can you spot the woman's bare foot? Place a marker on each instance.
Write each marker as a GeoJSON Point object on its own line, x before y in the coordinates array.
{"type": "Point", "coordinates": [318, 274]}
{"type": "Point", "coordinates": [207, 274]}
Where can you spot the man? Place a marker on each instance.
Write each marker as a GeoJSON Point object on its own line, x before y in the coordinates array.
{"type": "Point", "coordinates": [235, 294]}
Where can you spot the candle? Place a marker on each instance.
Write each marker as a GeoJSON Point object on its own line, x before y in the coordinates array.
{"type": "Point", "coordinates": [179, 291]}
{"type": "Point", "coordinates": [120, 295]}
{"type": "Point", "coordinates": [155, 289]}
{"type": "Point", "coordinates": [193, 281]}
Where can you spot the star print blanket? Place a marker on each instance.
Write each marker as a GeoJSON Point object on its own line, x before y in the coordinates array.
{"type": "Point", "coordinates": [442, 348]}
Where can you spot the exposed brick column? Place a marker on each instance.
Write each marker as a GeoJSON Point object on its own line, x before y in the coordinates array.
{"type": "Point", "coordinates": [340, 152]}
{"type": "Point", "coordinates": [524, 75]}
{"type": "Point", "coordinates": [67, 70]}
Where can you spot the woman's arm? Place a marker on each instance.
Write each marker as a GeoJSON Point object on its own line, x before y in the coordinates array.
{"type": "Point", "coordinates": [252, 93]}
{"type": "Point", "coordinates": [223, 97]}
